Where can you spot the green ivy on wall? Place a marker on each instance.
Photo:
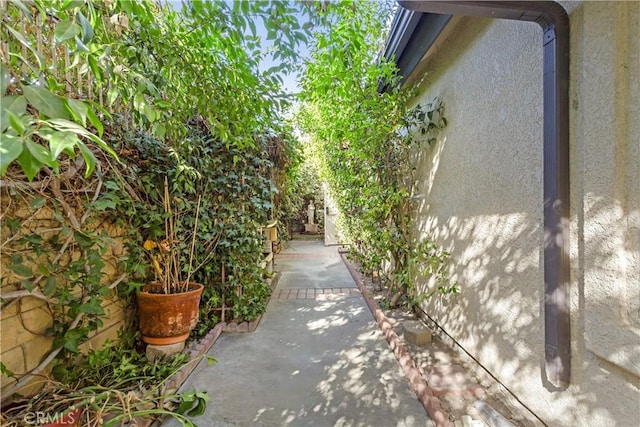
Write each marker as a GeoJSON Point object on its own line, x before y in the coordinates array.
{"type": "Point", "coordinates": [102, 100]}
{"type": "Point", "coordinates": [235, 192]}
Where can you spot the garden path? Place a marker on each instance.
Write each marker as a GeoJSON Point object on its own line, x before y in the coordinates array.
{"type": "Point", "coordinates": [316, 359]}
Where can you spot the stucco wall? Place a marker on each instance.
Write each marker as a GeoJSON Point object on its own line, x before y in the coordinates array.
{"type": "Point", "coordinates": [482, 184]}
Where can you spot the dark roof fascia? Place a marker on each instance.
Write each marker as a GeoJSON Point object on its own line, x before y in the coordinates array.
{"type": "Point", "coordinates": [404, 22]}
{"type": "Point", "coordinates": [412, 34]}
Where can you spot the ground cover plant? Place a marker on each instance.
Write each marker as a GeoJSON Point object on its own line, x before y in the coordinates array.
{"type": "Point", "coordinates": [109, 386]}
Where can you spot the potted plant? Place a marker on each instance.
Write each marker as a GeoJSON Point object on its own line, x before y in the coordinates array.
{"type": "Point", "coordinates": [168, 307]}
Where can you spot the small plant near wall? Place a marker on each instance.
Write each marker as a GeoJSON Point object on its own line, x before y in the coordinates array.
{"type": "Point", "coordinates": [365, 143]}
{"type": "Point", "coordinates": [168, 307]}
{"type": "Point", "coordinates": [114, 385]}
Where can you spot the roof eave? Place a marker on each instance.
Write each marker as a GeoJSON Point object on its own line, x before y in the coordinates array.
{"type": "Point", "coordinates": [412, 34]}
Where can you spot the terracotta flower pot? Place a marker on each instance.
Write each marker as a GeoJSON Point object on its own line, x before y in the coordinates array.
{"type": "Point", "coordinates": [167, 318]}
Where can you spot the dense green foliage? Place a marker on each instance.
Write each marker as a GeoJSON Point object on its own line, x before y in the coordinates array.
{"type": "Point", "coordinates": [132, 93]}
{"type": "Point", "coordinates": [158, 66]}
{"type": "Point", "coordinates": [230, 192]}
{"type": "Point", "coordinates": [364, 141]}
{"type": "Point", "coordinates": [303, 185]}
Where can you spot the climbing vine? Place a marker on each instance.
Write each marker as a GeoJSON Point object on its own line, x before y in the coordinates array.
{"type": "Point", "coordinates": [100, 102]}
{"type": "Point", "coordinates": [230, 189]}
{"type": "Point", "coordinates": [364, 141]}
{"type": "Point", "coordinates": [69, 65]}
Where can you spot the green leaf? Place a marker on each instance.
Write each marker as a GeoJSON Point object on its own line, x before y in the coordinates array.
{"type": "Point", "coordinates": [72, 4]}
{"type": "Point", "coordinates": [139, 101]}
{"type": "Point", "coordinates": [5, 78]}
{"type": "Point", "coordinates": [44, 270]}
{"type": "Point", "coordinates": [21, 270]}
{"type": "Point", "coordinates": [53, 84]}
{"type": "Point", "coordinates": [10, 149]}
{"type": "Point", "coordinates": [103, 205]}
{"type": "Point", "coordinates": [151, 113]}
{"type": "Point", "coordinates": [189, 402]}
{"type": "Point", "coordinates": [78, 110]}
{"type": "Point", "coordinates": [28, 284]}
{"type": "Point", "coordinates": [91, 307]}
{"type": "Point", "coordinates": [252, 26]}
{"type": "Point", "coordinates": [25, 43]}
{"type": "Point", "coordinates": [89, 158]}
{"type": "Point", "coordinates": [49, 286]}
{"type": "Point", "coordinates": [62, 142]}
{"type": "Point", "coordinates": [66, 30]}
{"type": "Point", "coordinates": [46, 102]}
{"type": "Point", "coordinates": [81, 47]}
{"type": "Point", "coordinates": [30, 165]}
{"type": "Point", "coordinates": [87, 29]}
{"type": "Point", "coordinates": [159, 130]}
{"type": "Point", "coordinates": [40, 153]}
{"type": "Point", "coordinates": [95, 121]}
{"type": "Point", "coordinates": [112, 95]}
{"type": "Point", "coordinates": [95, 67]}
{"type": "Point", "coordinates": [16, 123]}
{"type": "Point", "coordinates": [59, 372]}
{"type": "Point", "coordinates": [99, 108]}
{"type": "Point", "coordinates": [5, 371]}
{"type": "Point", "coordinates": [16, 104]}
{"type": "Point", "coordinates": [13, 224]}
{"type": "Point", "coordinates": [66, 125]}
{"type": "Point", "coordinates": [85, 241]}
{"type": "Point", "coordinates": [71, 344]}
{"type": "Point", "coordinates": [201, 405]}
{"type": "Point", "coordinates": [37, 203]}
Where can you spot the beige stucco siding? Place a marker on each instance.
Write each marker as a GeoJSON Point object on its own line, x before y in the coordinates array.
{"type": "Point", "coordinates": [482, 184]}
{"type": "Point", "coordinates": [607, 124]}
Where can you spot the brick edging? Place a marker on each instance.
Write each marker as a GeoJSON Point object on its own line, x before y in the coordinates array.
{"type": "Point", "coordinates": [418, 383]}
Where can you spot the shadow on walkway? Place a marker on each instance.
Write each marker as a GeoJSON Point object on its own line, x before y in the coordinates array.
{"type": "Point", "coordinates": [316, 359]}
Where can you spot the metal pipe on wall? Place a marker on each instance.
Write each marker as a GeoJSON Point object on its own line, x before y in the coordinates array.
{"type": "Point", "coordinates": [555, 26]}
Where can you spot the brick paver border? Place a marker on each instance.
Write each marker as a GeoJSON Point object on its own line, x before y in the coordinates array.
{"type": "Point", "coordinates": [315, 293]}
{"type": "Point", "coordinates": [291, 255]}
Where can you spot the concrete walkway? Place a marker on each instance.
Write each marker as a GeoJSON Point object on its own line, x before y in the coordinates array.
{"type": "Point", "coordinates": [316, 359]}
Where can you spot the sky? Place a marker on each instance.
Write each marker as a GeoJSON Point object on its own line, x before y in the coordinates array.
{"type": "Point", "coordinates": [290, 84]}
